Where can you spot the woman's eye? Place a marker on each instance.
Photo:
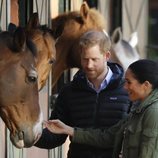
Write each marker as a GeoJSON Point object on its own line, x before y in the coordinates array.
{"type": "Point", "coordinates": [128, 82]}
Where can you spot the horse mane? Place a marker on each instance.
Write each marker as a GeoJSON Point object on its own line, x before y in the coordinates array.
{"type": "Point", "coordinates": [97, 18]}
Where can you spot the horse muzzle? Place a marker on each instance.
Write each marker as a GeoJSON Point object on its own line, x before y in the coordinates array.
{"type": "Point", "coordinates": [24, 139]}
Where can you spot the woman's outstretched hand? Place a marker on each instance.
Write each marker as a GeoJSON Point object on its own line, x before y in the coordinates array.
{"type": "Point", "coordinates": [58, 127]}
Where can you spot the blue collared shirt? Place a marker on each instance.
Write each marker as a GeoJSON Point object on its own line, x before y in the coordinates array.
{"type": "Point", "coordinates": [104, 83]}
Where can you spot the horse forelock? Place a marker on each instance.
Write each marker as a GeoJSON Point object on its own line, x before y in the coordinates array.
{"type": "Point", "coordinates": [39, 34]}
{"type": "Point", "coordinates": [32, 47]}
{"type": "Point", "coordinates": [45, 29]}
{"type": "Point", "coordinates": [62, 20]}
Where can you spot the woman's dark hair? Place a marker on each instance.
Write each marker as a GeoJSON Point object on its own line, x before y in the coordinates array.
{"type": "Point", "coordinates": [145, 70]}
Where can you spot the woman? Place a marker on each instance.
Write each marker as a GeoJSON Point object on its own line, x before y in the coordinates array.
{"type": "Point", "coordinates": [137, 136]}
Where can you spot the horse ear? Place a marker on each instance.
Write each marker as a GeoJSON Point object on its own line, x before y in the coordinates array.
{"type": "Point", "coordinates": [33, 22]}
{"type": "Point", "coordinates": [84, 10]}
{"type": "Point", "coordinates": [133, 41]}
{"type": "Point", "coordinates": [12, 27]}
{"type": "Point", "coordinates": [19, 39]}
{"type": "Point", "coordinates": [116, 35]}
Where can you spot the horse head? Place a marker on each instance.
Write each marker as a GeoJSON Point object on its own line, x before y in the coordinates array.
{"type": "Point", "coordinates": [123, 52]}
{"type": "Point", "coordinates": [67, 29]}
{"type": "Point", "coordinates": [45, 44]}
{"type": "Point", "coordinates": [19, 105]}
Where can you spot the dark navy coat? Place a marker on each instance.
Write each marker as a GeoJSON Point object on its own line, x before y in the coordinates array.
{"type": "Point", "coordinates": [78, 105]}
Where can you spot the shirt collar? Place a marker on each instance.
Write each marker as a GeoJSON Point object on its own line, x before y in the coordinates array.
{"type": "Point", "coordinates": [104, 83]}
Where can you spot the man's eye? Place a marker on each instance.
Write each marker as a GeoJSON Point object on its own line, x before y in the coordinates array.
{"type": "Point", "coordinates": [95, 60]}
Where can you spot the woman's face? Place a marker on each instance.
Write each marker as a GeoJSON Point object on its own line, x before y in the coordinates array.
{"type": "Point", "coordinates": [136, 90]}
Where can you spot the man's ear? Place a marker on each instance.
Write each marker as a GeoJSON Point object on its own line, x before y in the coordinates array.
{"type": "Point", "coordinates": [107, 55]}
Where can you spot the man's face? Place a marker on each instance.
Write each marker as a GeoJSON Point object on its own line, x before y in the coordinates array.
{"type": "Point", "coordinates": [94, 62]}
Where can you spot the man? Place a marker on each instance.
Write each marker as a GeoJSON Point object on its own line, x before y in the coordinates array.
{"type": "Point", "coordinates": [94, 99]}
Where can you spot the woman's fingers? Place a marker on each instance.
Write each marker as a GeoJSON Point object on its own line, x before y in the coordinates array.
{"type": "Point", "coordinates": [58, 127]}
{"type": "Point", "coordinates": [55, 126]}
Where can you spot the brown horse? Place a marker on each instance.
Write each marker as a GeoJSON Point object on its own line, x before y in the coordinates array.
{"type": "Point", "coordinates": [67, 29]}
{"type": "Point", "coordinates": [19, 105]}
{"type": "Point", "coordinates": [45, 45]}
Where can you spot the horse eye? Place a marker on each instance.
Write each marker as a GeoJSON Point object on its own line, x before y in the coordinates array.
{"type": "Point", "coordinates": [32, 79]}
{"type": "Point", "coordinates": [52, 61]}
{"type": "Point", "coordinates": [32, 76]}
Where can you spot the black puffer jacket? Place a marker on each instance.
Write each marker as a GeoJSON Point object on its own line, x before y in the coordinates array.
{"type": "Point", "coordinates": [78, 105]}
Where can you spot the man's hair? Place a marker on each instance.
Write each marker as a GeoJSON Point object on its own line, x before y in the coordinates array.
{"type": "Point", "coordinates": [93, 37]}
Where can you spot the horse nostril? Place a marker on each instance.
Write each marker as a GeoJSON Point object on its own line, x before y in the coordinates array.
{"type": "Point", "coordinates": [21, 135]}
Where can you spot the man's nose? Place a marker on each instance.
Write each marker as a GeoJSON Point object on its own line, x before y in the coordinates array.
{"type": "Point", "coordinates": [90, 64]}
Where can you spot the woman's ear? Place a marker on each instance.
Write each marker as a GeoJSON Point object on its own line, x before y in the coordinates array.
{"type": "Point", "coordinates": [148, 85]}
